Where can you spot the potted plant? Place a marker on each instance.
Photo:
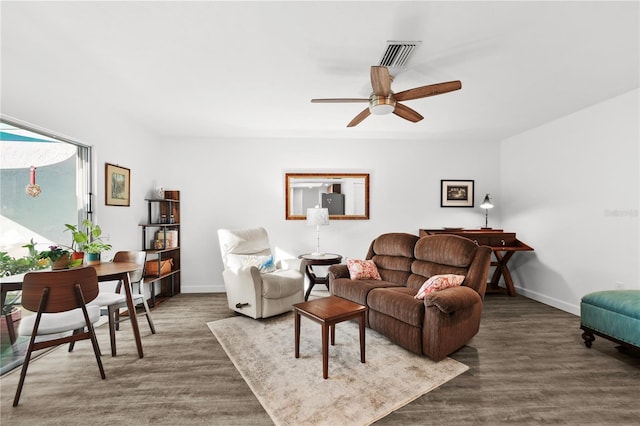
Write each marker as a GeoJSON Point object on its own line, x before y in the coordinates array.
{"type": "Point", "coordinates": [59, 257]}
{"type": "Point", "coordinates": [94, 246]}
{"type": "Point", "coordinates": [93, 251]}
{"type": "Point", "coordinates": [78, 239]}
{"type": "Point", "coordinates": [12, 266]}
{"type": "Point", "coordinates": [87, 241]}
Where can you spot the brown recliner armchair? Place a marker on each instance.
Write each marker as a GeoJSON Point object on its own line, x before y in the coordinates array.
{"type": "Point", "coordinates": [445, 320]}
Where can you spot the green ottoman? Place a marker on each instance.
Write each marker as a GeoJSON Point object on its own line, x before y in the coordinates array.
{"type": "Point", "coordinates": [614, 315]}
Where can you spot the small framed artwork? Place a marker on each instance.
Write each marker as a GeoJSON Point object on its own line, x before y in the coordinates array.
{"type": "Point", "coordinates": [117, 183]}
{"type": "Point", "coordinates": [456, 193]}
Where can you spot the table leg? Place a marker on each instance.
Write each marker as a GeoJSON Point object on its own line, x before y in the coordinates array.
{"type": "Point", "coordinates": [132, 314]}
{"type": "Point", "coordinates": [497, 272]}
{"type": "Point", "coordinates": [503, 270]}
{"type": "Point", "coordinates": [507, 274]}
{"type": "Point", "coordinates": [325, 351]}
{"type": "Point", "coordinates": [296, 327]}
{"type": "Point", "coordinates": [362, 345]}
{"type": "Point", "coordinates": [333, 334]}
{"type": "Point", "coordinates": [312, 281]}
{"type": "Point", "coordinates": [10, 328]}
{"type": "Point", "coordinates": [9, 320]}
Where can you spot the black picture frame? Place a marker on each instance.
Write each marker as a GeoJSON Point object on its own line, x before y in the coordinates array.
{"type": "Point", "coordinates": [457, 193]}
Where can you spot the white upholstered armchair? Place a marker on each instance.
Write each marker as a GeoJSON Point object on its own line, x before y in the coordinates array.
{"type": "Point", "coordinates": [257, 285]}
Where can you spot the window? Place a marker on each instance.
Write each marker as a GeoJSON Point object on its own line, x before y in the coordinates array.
{"type": "Point", "coordinates": [62, 171]}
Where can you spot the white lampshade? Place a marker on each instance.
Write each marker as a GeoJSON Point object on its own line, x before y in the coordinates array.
{"type": "Point", "coordinates": [486, 203]}
{"type": "Point", "coordinates": [317, 216]}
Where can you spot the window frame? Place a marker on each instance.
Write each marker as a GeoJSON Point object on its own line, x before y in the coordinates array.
{"type": "Point", "coordinates": [84, 164]}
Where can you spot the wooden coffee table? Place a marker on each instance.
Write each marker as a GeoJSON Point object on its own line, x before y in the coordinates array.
{"type": "Point", "coordinates": [328, 311]}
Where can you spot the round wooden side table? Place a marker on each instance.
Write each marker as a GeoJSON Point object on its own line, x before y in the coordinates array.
{"type": "Point", "coordinates": [320, 259]}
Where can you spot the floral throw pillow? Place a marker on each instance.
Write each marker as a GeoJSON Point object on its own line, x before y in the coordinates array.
{"type": "Point", "coordinates": [362, 270]}
{"type": "Point", "coordinates": [263, 263]}
{"type": "Point", "coordinates": [439, 282]}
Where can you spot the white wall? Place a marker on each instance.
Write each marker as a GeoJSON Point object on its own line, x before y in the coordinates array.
{"type": "Point", "coordinates": [240, 183]}
{"type": "Point", "coordinates": [570, 190]}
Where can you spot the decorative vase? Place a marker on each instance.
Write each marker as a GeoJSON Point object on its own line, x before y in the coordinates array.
{"type": "Point", "coordinates": [92, 258]}
{"type": "Point", "coordinates": [62, 262]}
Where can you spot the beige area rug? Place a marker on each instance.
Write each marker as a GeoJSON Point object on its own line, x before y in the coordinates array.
{"type": "Point", "coordinates": [293, 392]}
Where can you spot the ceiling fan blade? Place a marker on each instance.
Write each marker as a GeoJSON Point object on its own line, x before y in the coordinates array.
{"type": "Point", "coordinates": [339, 100]}
{"type": "Point", "coordinates": [430, 90]}
{"type": "Point", "coordinates": [358, 118]}
{"type": "Point", "coordinates": [380, 81]}
{"type": "Point", "coordinates": [407, 113]}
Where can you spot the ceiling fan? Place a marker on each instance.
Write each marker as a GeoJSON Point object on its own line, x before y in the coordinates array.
{"type": "Point", "coordinates": [384, 101]}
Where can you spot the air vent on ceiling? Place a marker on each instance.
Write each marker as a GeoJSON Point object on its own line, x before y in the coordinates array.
{"type": "Point", "coordinates": [398, 53]}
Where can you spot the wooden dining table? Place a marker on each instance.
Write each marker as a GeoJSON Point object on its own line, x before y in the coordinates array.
{"type": "Point", "coordinates": [106, 271]}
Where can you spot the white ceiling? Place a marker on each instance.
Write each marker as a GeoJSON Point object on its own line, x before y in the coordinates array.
{"type": "Point", "coordinates": [249, 69]}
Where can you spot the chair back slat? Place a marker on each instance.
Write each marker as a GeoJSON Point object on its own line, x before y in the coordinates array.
{"type": "Point", "coordinates": [134, 257]}
{"type": "Point", "coordinates": [61, 284]}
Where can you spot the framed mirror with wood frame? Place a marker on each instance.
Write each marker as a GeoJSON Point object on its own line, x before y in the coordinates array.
{"type": "Point", "coordinates": [346, 195]}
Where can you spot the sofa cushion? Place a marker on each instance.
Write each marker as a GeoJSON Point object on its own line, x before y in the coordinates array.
{"type": "Point", "coordinates": [362, 269]}
{"type": "Point", "coordinates": [395, 244]}
{"type": "Point", "coordinates": [281, 283]}
{"type": "Point", "coordinates": [357, 290]}
{"type": "Point", "coordinates": [439, 282]}
{"type": "Point", "coordinates": [393, 255]}
{"type": "Point", "coordinates": [450, 250]}
{"type": "Point", "coordinates": [398, 303]}
{"type": "Point", "coordinates": [440, 255]}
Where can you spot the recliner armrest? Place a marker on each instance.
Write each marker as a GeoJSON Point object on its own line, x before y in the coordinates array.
{"type": "Point", "coordinates": [292, 264]}
{"type": "Point", "coordinates": [338, 271]}
{"type": "Point", "coordinates": [453, 299]}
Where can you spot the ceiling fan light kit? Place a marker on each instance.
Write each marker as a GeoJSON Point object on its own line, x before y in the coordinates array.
{"type": "Point", "coordinates": [381, 105]}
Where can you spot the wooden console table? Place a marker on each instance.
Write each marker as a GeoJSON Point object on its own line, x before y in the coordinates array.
{"type": "Point", "coordinates": [503, 245]}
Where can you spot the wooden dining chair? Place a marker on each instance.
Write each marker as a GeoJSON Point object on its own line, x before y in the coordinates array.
{"type": "Point", "coordinates": [59, 300]}
{"type": "Point", "coordinates": [111, 302]}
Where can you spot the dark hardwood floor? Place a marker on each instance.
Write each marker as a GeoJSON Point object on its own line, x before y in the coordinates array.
{"type": "Point", "coordinates": [528, 365]}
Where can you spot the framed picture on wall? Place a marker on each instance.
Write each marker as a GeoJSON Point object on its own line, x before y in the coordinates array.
{"type": "Point", "coordinates": [117, 183]}
{"type": "Point", "coordinates": [456, 193]}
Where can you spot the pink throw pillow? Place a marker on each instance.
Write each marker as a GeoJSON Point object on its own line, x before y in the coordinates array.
{"type": "Point", "coordinates": [439, 282]}
{"type": "Point", "coordinates": [362, 270]}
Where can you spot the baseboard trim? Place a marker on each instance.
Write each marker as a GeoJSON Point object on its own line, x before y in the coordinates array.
{"type": "Point", "coordinates": [219, 288]}
{"type": "Point", "coordinates": [556, 303]}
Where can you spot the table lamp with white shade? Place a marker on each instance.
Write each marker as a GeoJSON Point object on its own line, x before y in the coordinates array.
{"type": "Point", "coordinates": [317, 217]}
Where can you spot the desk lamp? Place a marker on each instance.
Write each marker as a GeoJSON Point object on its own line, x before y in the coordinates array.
{"type": "Point", "coordinates": [486, 205]}
{"type": "Point", "coordinates": [317, 217]}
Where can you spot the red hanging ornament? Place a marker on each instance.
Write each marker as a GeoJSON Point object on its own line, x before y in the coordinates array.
{"type": "Point", "coordinates": [33, 189]}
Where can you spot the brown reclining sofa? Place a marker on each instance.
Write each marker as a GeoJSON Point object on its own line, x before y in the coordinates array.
{"type": "Point", "coordinates": [445, 320]}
